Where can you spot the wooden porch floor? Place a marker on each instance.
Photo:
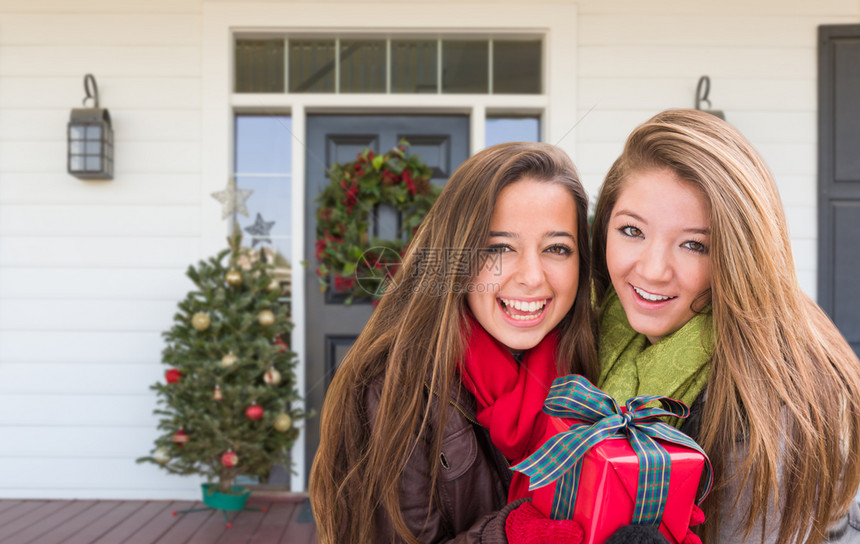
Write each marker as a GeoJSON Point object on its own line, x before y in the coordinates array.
{"type": "Point", "coordinates": [285, 520]}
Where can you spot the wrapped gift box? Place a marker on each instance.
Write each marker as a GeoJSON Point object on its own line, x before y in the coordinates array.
{"type": "Point", "coordinates": [608, 482]}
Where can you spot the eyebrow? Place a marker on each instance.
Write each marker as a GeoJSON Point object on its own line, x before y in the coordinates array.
{"type": "Point", "coordinates": [550, 234]}
{"type": "Point", "coordinates": [693, 230]}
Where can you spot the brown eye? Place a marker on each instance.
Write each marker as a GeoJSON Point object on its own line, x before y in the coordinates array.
{"type": "Point", "coordinates": [631, 231]}
{"type": "Point", "coordinates": [697, 247]}
{"type": "Point", "coordinates": [560, 249]}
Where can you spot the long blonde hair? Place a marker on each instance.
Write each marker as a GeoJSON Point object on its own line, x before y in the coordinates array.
{"type": "Point", "coordinates": [776, 354]}
{"type": "Point", "coordinates": [414, 337]}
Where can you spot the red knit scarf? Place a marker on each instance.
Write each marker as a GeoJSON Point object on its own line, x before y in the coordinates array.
{"type": "Point", "coordinates": [510, 395]}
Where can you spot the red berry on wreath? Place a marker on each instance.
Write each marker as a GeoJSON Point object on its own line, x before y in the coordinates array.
{"type": "Point", "coordinates": [254, 412]}
{"type": "Point", "coordinates": [172, 375]}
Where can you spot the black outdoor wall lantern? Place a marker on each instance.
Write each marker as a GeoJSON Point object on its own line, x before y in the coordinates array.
{"type": "Point", "coordinates": [90, 135]}
{"type": "Point", "coordinates": [702, 91]}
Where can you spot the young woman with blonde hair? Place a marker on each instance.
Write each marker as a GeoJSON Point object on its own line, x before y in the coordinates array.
{"type": "Point", "coordinates": [699, 301]}
{"type": "Point", "coordinates": [402, 456]}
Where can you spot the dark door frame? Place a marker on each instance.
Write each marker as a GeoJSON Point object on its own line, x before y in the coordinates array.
{"type": "Point", "coordinates": [832, 192]}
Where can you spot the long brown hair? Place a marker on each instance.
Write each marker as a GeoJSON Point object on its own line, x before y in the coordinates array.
{"type": "Point", "coordinates": [776, 354]}
{"type": "Point", "coordinates": [414, 337]}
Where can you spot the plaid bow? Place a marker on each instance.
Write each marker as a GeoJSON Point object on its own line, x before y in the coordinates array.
{"type": "Point", "coordinates": [574, 397]}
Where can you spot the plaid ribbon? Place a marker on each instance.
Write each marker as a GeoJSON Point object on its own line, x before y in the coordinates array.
{"type": "Point", "coordinates": [559, 458]}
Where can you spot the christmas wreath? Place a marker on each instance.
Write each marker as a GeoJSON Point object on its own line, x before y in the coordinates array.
{"type": "Point", "coordinates": [351, 261]}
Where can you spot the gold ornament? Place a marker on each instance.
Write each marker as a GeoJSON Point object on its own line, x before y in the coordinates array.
{"type": "Point", "coordinates": [229, 360]}
{"type": "Point", "coordinates": [201, 321]}
{"type": "Point", "coordinates": [233, 277]}
{"type": "Point", "coordinates": [283, 422]}
{"type": "Point", "coordinates": [266, 318]}
{"type": "Point", "coordinates": [161, 455]}
{"type": "Point", "coordinates": [272, 376]}
{"type": "Point", "coordinates": [217, 395]}
{"type": "Point", "coordinates": [273, 286]}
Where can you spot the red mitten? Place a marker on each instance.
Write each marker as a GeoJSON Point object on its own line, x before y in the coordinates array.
{"type": "Point", "coordinates": [697, 517]}
{"type": "Point", "coordinates": [526, 525]}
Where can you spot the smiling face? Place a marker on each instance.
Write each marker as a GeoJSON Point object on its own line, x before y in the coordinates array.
{"type": "Point", "coordinates": [657, 251]}
{"type": "Point", "coordinates": [529, 281]}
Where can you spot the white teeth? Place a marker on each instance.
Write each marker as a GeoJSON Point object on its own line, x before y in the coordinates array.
{"type": "Point", "coordinates": [648, 296]}
{"type": "Point", "coordinates": [524, 306]}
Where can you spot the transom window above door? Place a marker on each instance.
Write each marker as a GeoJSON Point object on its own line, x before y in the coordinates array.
{"type": "Point", "coordinates": [303, 64]}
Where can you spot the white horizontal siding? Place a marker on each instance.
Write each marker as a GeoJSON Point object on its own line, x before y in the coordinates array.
{"type": "Point", "coordinates": [167, 7]}
{"type": "Point", "coordinates": [709, 8]}
{"type": "Point", "coordinates": [623, 92]}
{"type": "Point", "coordinates": [76, 29]}
{"type": "Point", "coordinates": [636, 59]}
{"type": "Point", "coordinates": [127, 284]}
{"type": "Point", "coordinates": [103, 220]}
{"type": "Point", "coordinates": [52, 188]}
{"type": "Point", "coordinates": [91, 271]}
{"type": "Point", "coordinates": [79, 379]}
{"type": "Point", "coordinates": [131, 157]}
{"type": "Point", "coordinates": [146, 125]}
{"type": "Point", "coordinates": [117, 93]}
{"type": "Point", "coordinates": [125, 60]}
{"type": "Point", "coordinates": [108, 251]}
{"type": "Point", "coordinates": [86, 315]}
{"type": "Point", "coordinates": [87, 347]}
{"type": "Point", "coordinates": [82, 442]}
{"type": "Point", "coordinates": [102, 410]}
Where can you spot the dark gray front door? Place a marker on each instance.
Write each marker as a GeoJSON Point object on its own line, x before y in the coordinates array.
{"type": "Point", "coordinates": [839, 177]}
{"type": "Point", "coordinates": [442, 143]}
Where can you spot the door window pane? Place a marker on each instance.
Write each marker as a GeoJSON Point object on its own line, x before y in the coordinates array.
{"type": "Point", "coordinates": [380, 65]}
{"type": "Point", "coordinates": [263, 144]}
{"type": "Point", "coordinates": [312, 66]}
{"type": "Point", "coordinates": [414, 66]}
{"type": "Point", "coordinates": [500, 130]}
{"type": "Point", "coordinates": [260, 66]}
{"type": "Point", "coordinates": [362, 66]}
{"type": "Point", "coordinates": [465, 67]}
{"type": "Point", "coordinates": [263, 162]}
{"type": "Point", "coordinates": [516, 67]}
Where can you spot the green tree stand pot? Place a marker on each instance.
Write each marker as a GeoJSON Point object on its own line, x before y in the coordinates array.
{"type": "Point", "coordinates": [225, 501]}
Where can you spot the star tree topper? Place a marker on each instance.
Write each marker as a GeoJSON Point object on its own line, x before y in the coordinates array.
{"type": "Point", "coordinates": [260, 229]}
{"type": "Point", "coordinates": [232, 200]}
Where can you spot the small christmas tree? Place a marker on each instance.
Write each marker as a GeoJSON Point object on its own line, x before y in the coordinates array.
{"type": "Point", "coordinates": [228, 395]}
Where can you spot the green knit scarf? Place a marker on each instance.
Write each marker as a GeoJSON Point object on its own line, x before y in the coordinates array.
{"type": "Point", "coordinates": [677, 366]}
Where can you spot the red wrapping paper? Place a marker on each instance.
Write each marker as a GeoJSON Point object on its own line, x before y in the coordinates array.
{"type": "Point", "coordinates": [607, 487]}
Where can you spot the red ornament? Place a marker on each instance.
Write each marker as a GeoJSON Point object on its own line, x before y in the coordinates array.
{"type": "Point", "coordinates": [254, 412]}
{"type": "Point", "coordinates": [282, 346]}
{"type": "Point", "coordinates": [229, 459]}
{"type": "Point", "coordinates": [172, 375]}
{"type": "Point", "coordinates": [180, 437]}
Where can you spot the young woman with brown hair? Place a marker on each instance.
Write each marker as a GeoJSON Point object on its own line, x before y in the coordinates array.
{"type": "Point", "coordinates": [699, 301]}
{"type": "Point", "coordinates": [402, 456]}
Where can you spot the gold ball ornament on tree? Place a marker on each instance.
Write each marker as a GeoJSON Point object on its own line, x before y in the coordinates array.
{"type": "Point", "coordinates": [233, 277]}
{"type": "Point", "coordinates": [161, 456]}
{"type": "Point", "coordinates": [266, 318]}
{"type": "Point", "coordinates": [201, 321]}
{"type": "Point", "coordinates": [229, 360]}
{"type": "Point", "coordinates": [272, 376]}
{"type": "Point", "coordinates": [273, 286]}
{"type": "Point", "coordinates": [283, 422]}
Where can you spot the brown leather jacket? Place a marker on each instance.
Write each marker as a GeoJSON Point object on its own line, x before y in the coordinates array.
{"type": "Point", "coordinates": [470, 505]}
